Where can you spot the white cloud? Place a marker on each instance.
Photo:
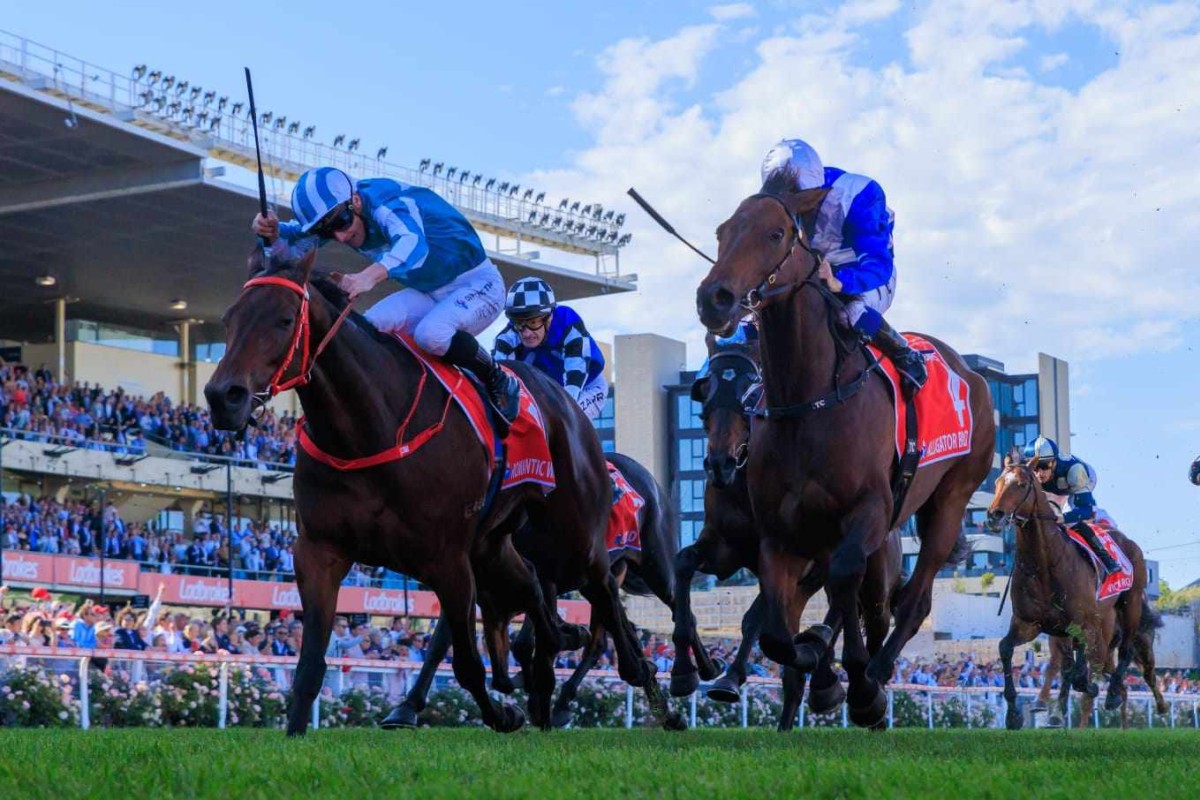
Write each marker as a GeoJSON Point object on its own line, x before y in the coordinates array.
{"type": "Point", "coordinates": [1028, 216]}
{"type": "Point", "coordinates": [731, 11]}
{"type": "Point", "coordinates": [1052, 62]}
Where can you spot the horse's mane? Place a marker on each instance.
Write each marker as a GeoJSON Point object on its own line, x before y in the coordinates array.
{"type": "Point", "coordinates": [780, 182]}
{"type": "Point", "coordinates": [326, 286]}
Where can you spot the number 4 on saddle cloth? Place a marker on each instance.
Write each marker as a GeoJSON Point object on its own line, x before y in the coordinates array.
{"type": "Point", "coordinates": [1119, 581]}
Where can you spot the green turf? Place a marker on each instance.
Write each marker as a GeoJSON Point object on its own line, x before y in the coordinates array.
{"type": "Point", "coordinates": [369, 764]}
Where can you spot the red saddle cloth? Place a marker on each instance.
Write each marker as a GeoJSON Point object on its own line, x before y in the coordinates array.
{"type": "Point", "coordinates": [944, 419]}
{"type": "Point", "coordinates": [1119, 581]}
{"type": "Point", "coordinates": [528, 457]}
{"type": "Point", "coordinates": [623, 530]}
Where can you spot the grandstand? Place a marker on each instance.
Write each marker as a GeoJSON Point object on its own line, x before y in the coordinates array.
{"type": "Point", "coordinates": [124, 208]}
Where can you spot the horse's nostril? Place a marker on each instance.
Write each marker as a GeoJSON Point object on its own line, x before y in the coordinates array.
{"type": "Point", "coordinates": [723, 299]}
{"type": "Point", "coordinates": [236, 395]}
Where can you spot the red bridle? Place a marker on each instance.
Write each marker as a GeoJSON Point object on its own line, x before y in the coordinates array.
{"type": "Point", "coordinates": [301, 336]}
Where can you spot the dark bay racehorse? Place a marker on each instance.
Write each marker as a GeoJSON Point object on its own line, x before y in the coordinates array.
{"type": "Point", "coordinates": [729, 542]}
{"type": "Point", "coordinates": [1054, 592]}
{"type": "Point", "coordinates": [648, 571]}
{"type": "Point", "coordinates": [822, 460]}
{"type": "Point", "coordinates": [423, 509]}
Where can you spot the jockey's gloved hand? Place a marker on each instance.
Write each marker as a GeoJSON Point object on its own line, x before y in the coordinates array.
{"type": "Point", "coordinates": [267, 227]}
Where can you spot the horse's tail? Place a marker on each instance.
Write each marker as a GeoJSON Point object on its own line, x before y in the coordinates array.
{"type": "Point", "coordinates": [1151, 619]}
{"type": "Point", "coordinates": [961, 551]}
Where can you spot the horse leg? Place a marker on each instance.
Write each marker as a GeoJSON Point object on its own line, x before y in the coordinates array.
{"type": "Point", "coordinates": [1059, 712]}
{"type": "Point", "coordinates": [634, 669]}
{"type": "Point", "coordinates": [940, 526]}
{"type": "Point", "coordinates": [405, 714]}
{"type": "Point", "coordinates": [319, 572]}
{"type": "Point", "coordinates": [456, 592]}
{"type": "Point", "coordinates": [826, 692]}
{"type": "Point", "coordinates": [778, 578]}
{"type": "Point", "coordinates": [727, 688]}
{"type": "Point", "coordinates": [1053, 669]}
{"type": "Point", "coordinates": [862, 530]}
{"type": "Point", "coordinates": [793, 693]}
{"type": "Point", "coordinates": [684, 678]}
{"type": "Point", "coordinates": [1019, 633]}
{"type": "Point", "coordinates": [560, 716]}
{"type": "Point", "coordinates": [1145, 647]}
{"type": "Point", "coordinates": [495, 630]}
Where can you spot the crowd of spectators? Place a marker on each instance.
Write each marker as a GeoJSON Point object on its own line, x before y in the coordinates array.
{"type": "Point", "coordinates": [86, 415]}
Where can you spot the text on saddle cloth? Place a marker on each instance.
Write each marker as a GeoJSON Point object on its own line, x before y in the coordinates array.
{"type": "Point", "coordinates": [944, 419]}
{"type": "Point", "coordinates": [623, 532]}
{"type": "Point", "coordinates": [1119, 581]}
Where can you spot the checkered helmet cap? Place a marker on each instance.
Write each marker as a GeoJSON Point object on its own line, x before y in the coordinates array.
{"type": "Point", "coordinates": [529, 297]}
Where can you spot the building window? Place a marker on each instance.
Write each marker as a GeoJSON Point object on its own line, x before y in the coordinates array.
{"type": "Point", "coordinates": [82, 330]}
{"type": "Point", "coordinates": [606, 419]}
{"type": "Point", "coordinates": [687, 413]}
{"type": "Point", "coordinates": [691, 495]}
{"type": "Point", "coordinates": [691, 454]}
{"type": "Point", "coordinates": [689, 531]}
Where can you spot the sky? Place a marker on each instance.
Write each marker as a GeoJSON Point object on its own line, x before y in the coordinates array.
{"type": "Point", "coordinates": [1040, 158]}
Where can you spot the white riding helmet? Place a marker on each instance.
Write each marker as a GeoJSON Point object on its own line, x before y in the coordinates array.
{"type": "Point", "coordinates": [318, 192]}
{"type": "Point", "coordinates": [798, 157]}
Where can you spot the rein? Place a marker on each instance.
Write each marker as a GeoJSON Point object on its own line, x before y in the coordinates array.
{"type": "Point", "coordinates": [767, 289]}
{"type": "Point", "coordinates": [301, 340]}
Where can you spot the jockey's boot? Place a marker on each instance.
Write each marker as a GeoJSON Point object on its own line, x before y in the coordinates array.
{"type": "Point", "coordinates": [1089, 536]}
{"type": "Point", "coordinates": [503, 393]}
{"type": "Point", "coordinates": [908, 362]}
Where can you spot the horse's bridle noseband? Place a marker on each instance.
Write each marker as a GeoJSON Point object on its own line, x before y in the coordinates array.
{"type": "Point", "coordinates": [766, 289]}
{"type": "Point", "coordinates": [1022, 521]}
{"type": "Point", "coordinates": [301, 341]}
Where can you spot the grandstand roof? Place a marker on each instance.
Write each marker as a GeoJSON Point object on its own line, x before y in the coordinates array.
{"type": "Point", "coordinates": [129, 219]}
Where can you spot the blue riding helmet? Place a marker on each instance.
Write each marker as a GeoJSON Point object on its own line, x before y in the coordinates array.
{"type": "Point", "coordinates": [318, 192]}
{"type": "Point", "coordinates": [1043, 449]}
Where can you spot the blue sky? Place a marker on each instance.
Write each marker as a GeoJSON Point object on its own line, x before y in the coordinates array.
{"type": "Point", "coordinates": [1040, 157]}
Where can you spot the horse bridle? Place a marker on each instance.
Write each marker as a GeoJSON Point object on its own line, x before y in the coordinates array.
{"type": "Point", "coordinates": [742, 453]}
{"type": "Point", "coordinates": [755, 298]}
{"type": "Point", "coordinates": [301, 341]}
{"type": "Point", "coordinates": [1022, 521]}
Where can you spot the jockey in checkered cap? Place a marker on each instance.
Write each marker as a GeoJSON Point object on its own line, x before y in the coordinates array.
{"type": "Point", "coordinates": [853, 229]}
{"type": "Point", "coordinates": [554, 339]}
{"type": "Point", "coordinates": [411, 235]}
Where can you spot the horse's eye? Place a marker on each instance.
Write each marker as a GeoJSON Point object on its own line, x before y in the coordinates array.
{"type": "Point", "coordinates": [777, 235]}
{"type": "Point", "coordinates": [285, 323]}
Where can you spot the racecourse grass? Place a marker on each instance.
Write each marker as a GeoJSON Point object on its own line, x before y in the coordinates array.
{"type": "Point", "coordinates": [368, 764]}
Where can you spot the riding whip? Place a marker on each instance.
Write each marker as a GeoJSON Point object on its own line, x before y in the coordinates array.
{"type": "Point", "coordinates": [1004, 596]}
{"type": "Point", "coordinates": [262, 182]}
{"type": "Point", "coordinates": [666, 226]}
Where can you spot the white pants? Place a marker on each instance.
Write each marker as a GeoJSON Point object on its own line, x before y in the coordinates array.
{"type": "Point", "coordinates": [471, 302]}
{"type": "Point", "coordinates": [592, 396]}
{"type": "Point", "coordinates": [879, 299]}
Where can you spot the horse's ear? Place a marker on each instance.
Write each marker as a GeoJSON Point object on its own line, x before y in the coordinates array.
{"type": "Point", "coordinates": [1032, 462]}
{"type": "Point", "coordinates": [305, 265]}
{"type": "Point", "coordinates": [257, 263]}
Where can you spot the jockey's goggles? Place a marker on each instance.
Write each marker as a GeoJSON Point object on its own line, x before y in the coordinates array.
{"type": "Point", "coordinates": [1043, 465]}
{"type": "Point", "coordinates": [336, 221]}
{"type": "Point", "coordinates": [532, 323]}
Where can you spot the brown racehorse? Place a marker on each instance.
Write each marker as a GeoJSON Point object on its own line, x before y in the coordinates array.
{"type": "Point", "coordinates": [822, 460]}
{"type": "Point", "coordinates": [729, 542]}
{"type": "Point", "coordinates": [1054, 592]}
{"type": "Point", "coordinates": [424, 514]}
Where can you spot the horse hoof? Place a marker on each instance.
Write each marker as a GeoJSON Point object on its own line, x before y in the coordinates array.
{"type": "Point", "coordinates": [808, 657]}
{"type": "Point", "coordinates": [1093, 690]}
{"type": "Point", "coordinates": [517, 681]}
{"type": "Point", "coordinates": [402, 716]}
{"type": "Point", "coordinates": [1039, 705]}
{"type": "Point", "coordinates": [561, 718]}
{"type": "Point", "coordinates": [511, 719]}
{"type": "Point", "coordinates": [684, 683]}
{"type": "Point", "coordinates": [872, 714]}
{"type": "Point", "coordinates": [1113, 701]}
{"type": "Point", "coordinates": [1163, 707]}
{"type": "Point", "coordinates": [726, 690]}
{"type": "Point", "coordinates": [291, 732]}
{"type": "Point", "coordinates": [1054, 722]}
{"type": "Point", "coordinates": [1012, 720]}
{"type": "Point", "coordinates": [880, 672]}
{"type": "Point", "coordinates": [675, 722]}
{"type": "Point", "coordinates": [826, 699]}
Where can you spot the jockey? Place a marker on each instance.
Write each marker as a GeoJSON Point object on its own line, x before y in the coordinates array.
{"type": "Point", "coordinates": [553, 338]}
{"type": "Point", "coordinates": [1067, 475]}
{"type": "Point", "coordinates": [746, 333]}
{"type": "Point", "coordinates": [453, 291]}
{"type": "Point", "coordinates": [853, 229]}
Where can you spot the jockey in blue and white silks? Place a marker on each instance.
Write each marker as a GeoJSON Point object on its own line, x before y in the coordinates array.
{"type": "Point", "coordinates": [553, 338]}
{"type": "Point", "coordinates": [453, 291]}
{"type": "Point", "coordinates": [1070, 477]}
{"type": "Point", "coordinates": [853, 230]}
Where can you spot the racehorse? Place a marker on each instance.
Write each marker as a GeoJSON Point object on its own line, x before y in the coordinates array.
{"type": "Point", "coordinates": [644, 571]}
{"type": "Point", "coordinates": [410, 487]}
{"type": "Point", "coordinates": [822, 459]}
{"type": "Point", "coordinates": [729, 542]}
{"type": "Point", "coordinates": [1054, 592]}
